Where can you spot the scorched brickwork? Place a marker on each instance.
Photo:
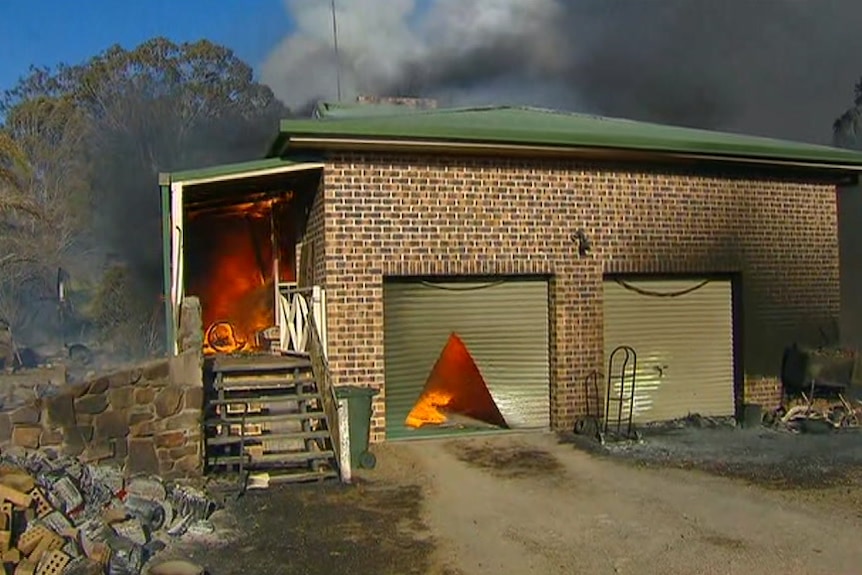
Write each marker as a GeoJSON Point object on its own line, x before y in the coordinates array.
{"type": "Point", "coordinates": [395, 215]}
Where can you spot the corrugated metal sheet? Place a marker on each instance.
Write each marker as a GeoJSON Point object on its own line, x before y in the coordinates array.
{"type": "Point", "coordinates": [684, 345]}
{"type": "Point", "coordinates": [504, 326]}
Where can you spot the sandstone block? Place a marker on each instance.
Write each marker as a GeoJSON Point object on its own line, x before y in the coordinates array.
{"type": "Point", "coordinates": [5, 428]}
{"type": "Point", "coordinates": [26, 435]}
{"type": "Point", "coordinates": [194, 398]}
{"type": "Point", "coordinates": [73, 441]}
{"type": "Point", "coordinates": [51, 437]}
{"type": "Point", "coordinates": [111, 424]}
{"type": "Point", "coordinates": [121, 397]}
{"type": "Point", "coordinates": [142, 456]}
{"type": "Point", "coordinates": [25, 414]}
{"type": "Point", "coordinates": [189, 464]}
{"type": "Point", "coordinates": [186, 369]}
{"type": "Point", "coordinates": [98, 451]}
{"type": "Point", "coordinates": [120, 447]}
{"type": "Point", "coordinates": [143, 429]}
{"type": "Point", "coordinates": [190, 420]}
{"type": "Point", "coordinates": [168, 400]}
{"type": "Point", "coordinates": [61, 410]}
{"type": "Point", "coordinates": [139, 416]}
{"type": "Point", "coordinates": [92, 404]}
{"type": "Point", "coordinates": [145, 395]}
{"type": "Point", "coordinates": [190, 336]}
{"type": "Point", "coordinates": [179, 452]}
{"type": "Point", "coordinates": [157, 370]}
{"type": "Point", "coordinates": [170, 439]}
{"type": "Point", "coordinates": [99, 386]}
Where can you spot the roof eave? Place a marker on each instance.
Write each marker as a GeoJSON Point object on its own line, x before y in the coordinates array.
{"type": "Point", "coordinates": [341, 143]}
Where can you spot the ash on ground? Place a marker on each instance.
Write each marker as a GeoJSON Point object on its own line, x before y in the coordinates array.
{"type": "Point", "coordinates": [767, 456]}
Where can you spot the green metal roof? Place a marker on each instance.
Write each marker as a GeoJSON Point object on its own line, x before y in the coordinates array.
{"type": "Point", "coordinates": [226, 170]}
{"type": "Point", "coordinates": [518, 126]}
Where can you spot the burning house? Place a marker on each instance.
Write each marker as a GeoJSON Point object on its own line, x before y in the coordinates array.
{"type": "Point", "coordinates": [477, 267]}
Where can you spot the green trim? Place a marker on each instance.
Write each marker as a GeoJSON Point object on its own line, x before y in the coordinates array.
{"type": "Point", "coordinates": [237, 168]}
{"type": "Point", "coordinates": [535, 127]}
{"type": "Point", "coordinates": [170, 335]}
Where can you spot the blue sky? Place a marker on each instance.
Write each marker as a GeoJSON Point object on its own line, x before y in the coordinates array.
{"type": "Point", "coordinates": [48, 32]}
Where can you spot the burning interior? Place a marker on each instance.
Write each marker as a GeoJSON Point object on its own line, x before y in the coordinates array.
{"type": "Point", "coordinates": [239, 250]}
{"type": "Point", "coordinates": [455, 393]}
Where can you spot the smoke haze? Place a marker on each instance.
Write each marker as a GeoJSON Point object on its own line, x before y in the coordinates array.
{"type": "Point", "coordinates": [783, 68]}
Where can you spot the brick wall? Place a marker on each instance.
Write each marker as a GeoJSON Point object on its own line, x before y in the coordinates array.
{"type": "Point", "coordinates": [388, 215]}
{"type": "Point", "coordinates": [764, 391]}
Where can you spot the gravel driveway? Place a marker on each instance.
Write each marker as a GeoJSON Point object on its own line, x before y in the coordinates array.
{"type": "Point", "coordinates": [528, 503]}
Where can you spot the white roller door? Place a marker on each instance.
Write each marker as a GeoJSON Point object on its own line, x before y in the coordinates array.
{"type": "Point", "coordinates": [682, 331]}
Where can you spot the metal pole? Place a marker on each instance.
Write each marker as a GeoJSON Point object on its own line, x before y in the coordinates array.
{"type": "Point", "coordinates": [337, 57]}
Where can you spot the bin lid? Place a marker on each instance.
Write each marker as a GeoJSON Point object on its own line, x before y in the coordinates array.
{"type": "Point", "coordinates": [348, 391]}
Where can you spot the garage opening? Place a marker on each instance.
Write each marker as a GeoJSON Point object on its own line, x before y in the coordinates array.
{"type": "Point", "coordinates": [682, 331]}
{"type": "Point", "coordinates": [465, 355]}
{"type": "Point", "coordinates": [455, 389]}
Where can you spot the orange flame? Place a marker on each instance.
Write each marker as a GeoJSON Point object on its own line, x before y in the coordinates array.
{"type": "Point", "coordinates": [231, 271]}
{"type": "Point", "coordinates": [456, 385]}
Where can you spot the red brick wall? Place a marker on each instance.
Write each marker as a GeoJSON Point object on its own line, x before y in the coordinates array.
{"type": "Point", "coordinates": [312, 252]}
{"type": "Point", "coordinates": [422, 215]}
{"type": "Point", "coordinates": [765, 391]}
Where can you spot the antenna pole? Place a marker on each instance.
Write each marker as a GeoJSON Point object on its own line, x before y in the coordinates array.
{"type": "Point", "coordinates": [337, 57]}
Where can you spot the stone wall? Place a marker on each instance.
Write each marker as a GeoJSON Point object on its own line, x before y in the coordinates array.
{"type": "Point", "coordinates": [147, 419]}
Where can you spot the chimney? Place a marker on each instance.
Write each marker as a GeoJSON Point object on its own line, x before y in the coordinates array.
{"type": "Point", "coordinates": [415, 103]}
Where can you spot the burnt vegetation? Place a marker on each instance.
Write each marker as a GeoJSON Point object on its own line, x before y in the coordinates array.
{"type": "Point", "coordinates": [81, 147]}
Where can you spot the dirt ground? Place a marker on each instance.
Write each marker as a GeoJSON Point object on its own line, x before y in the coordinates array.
{"type": "Point", "coordinates": [533, 503]}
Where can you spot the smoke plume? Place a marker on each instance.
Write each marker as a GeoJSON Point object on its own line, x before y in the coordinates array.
{"type": "Point", "coordinates": [783, 68]}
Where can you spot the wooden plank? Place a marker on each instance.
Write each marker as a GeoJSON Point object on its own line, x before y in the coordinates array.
{"type": "Point", "coordinates": [284, 457]}
{"type": "Point", "coordinates": [299, 435]}
{"type": "Point", "coordinates": [248, 383]}
{"type": "Point", "coordinates": [303, 477]}
{"type": "Point", "coordinates": [266, 418]}
{"type": "Point", "coordinates": [258, 363]}
{"type": "Point", "coordinates": [264, 399]}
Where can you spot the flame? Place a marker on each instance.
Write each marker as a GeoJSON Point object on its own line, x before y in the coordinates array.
{"type": "Point", "coordinates": [427, 410]}
{"type": "Point", "coordinates": [456, 385]}
{"type": "Point", "coordinates": [231, 271]}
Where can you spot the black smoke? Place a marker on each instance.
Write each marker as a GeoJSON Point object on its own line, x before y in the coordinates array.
{"type": "Point", "coordinates": [782, 68]}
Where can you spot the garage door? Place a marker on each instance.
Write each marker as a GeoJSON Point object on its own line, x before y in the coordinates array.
{"type": "Point", "coordinates": [501, 324]}
{"type": "Point", "coordinates": [682, 331]}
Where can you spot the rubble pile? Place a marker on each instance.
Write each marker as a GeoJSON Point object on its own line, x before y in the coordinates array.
{"type": "Point", "coordinates": [59, 516]}
{"type": "Point", "coordinates": [692, 420]}
{"type": "Point", "coordinates": [816, 415]}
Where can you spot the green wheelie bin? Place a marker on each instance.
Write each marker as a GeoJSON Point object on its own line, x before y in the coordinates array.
{"type": "Point", "coordinates": [358, 423]}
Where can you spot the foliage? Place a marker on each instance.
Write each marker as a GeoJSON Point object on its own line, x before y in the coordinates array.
{"type": "Point", "coordinates": [95, 136]}
{"type": "Point", "coordinates": [116, 299]}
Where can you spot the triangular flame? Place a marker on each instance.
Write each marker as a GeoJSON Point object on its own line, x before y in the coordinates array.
{"type": "Point", "coordinates": [454, 385]}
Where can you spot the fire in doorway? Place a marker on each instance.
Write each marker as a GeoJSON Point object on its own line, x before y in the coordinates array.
{"type": "Point", "coordinates": [455, 390]}
{"type": "Point", "coordinates": [237, 253]}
